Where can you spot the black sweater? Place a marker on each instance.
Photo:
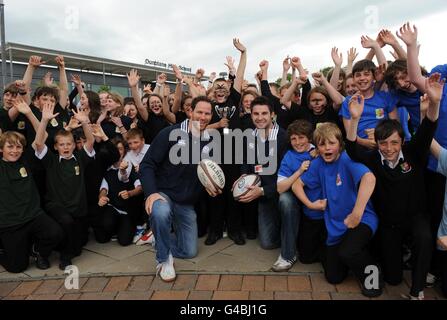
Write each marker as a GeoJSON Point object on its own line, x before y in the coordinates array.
{"type": "Point", "coordinates": [399, 192]}
{"type": "Point", "coordinates": [159, 174]}
{"type": "Point", "coordinates": [268, 181]}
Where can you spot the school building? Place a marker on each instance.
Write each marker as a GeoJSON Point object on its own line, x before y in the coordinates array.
{"type": "Point", "coordinates": [96, 72]}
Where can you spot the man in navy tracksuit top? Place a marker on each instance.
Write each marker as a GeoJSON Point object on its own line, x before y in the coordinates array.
{"type": "Point", "coordinates": [171, 190]}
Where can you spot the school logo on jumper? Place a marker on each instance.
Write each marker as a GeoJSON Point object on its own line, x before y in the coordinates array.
{"type": "Point", "coordinates": [338, 182]}
{"type": "Point", "coordinates": [21, 125]}
{"type": "Point", "coordinates": [406, 167]}
{"type": "Point", "coordinates": [54, 123]}
{"type": "Point", "coordinates": [380, 113]}
{"type": "Point", "coordinates": [23, 173]}
{"type": "Point", "coordinates": [77, 170]}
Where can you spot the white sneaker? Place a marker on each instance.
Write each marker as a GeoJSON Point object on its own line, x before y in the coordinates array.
{"type": "Point", "coordinates": [282, 265]}
{"type": "Point", "coordinates": [166, 270]}
{"type": "Point", "coordinates": [147, 238]}
{"type": "Point", "coordinates": [139, 233]}
{"type": "Point", "coordinates": [410, 297]}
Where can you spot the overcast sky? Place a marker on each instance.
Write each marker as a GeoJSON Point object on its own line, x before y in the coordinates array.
{"type": "Point", "coordinates": [199, 33]}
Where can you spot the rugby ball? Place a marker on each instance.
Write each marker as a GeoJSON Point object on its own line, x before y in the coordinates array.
{"type": "Point", "coordinates": [241, 186]}
{"type": "Point", "coordinates": [211, 175]}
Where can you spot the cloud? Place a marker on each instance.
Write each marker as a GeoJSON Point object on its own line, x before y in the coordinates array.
{"type": "Point", "coordinates": [199, 33]}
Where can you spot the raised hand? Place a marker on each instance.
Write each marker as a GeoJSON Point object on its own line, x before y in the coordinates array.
{"type": "Point", "coordinates": [47, 111]}
{"type": "Point", "coordinates": [238, 45]}
{"type": "Point", "coordinates": [21, 106]}
{"type": "Point", "coordinates": [434, 87]}
{"type": "Point", "coordinates": [230, 65]}
{"type": "Point", "coordinates": [161, 79]}
{"type": "Point", "coordinates": [336, 57]}
{"type": "Point", "coordinates": [200, 73]}
{"type": "Point", "coordinates": [388, 37]}
{"type": "Point", "coordinates": [368, 43]}
{"type": "Point", "coordinates": [352, 55]}
{"type": "Point", "coordinates": [356, 106]}
{"type": "Point", "coordinates": [178, 73]}
{"type": "Point", "coordinates": [81, 116]}
{"type": "Point", "coordinates": [98, 132]}
{"type": "Point", "coordinates": [319, 77]}
{"type": "Point", "coordinates": [76, 79]}
{"type": "Point", "coordinates": [36, 61]}
{"type": "Point", "coordinates": [60, 61]}
{"type": "Point", "coordinates": [286, 64]}
{"type": "Point", "coordinates": [73, 124]}
{"type": "Point", "coordinates": [407, 35]}
{"type": "Point", "coordinates": [133, 78]}
{"type": "Point", "coordinates": [147, 89]}
{"type": "Point", "coordinates": [264, 65]}
{"type": "Point", "coordinates": [296, 62]}
{"type": "Point", "coordinates": [48, 79]}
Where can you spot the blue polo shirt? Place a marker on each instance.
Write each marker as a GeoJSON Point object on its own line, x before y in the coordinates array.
{"type": "Point", "coordinates": [403, 118]}
{"type": "Point", "coordinates": [290, 164]}
{"type": "Point", "coordinates": [441, 131]}
{"type": "Point", "coordinates": [376, 108]}
{"type": "Point", "coordinates": [412, 103]}
{"type": "Point", "coordinates": [339, 182]}
{"type": "Point", "coordinates": [442, 169]}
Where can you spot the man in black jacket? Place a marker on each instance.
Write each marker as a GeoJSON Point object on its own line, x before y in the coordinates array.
{"type": "Point", "coordinates": [270, 145]}
{"type": "Point", "coordinates": [171, 189]}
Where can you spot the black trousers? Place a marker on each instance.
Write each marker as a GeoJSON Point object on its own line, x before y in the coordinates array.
{"type": "Point", "coordinates": [350, 254]}
{"type": "Point", "coordinates": [435, 186]}
{"type": "Point", "coordinates": [75, 231]}
{"type": "Point", "coordinates": [391, 239]}
{"type": "Point", "coordinates": [109, 222]}
{"type": "Point", "coordinates": [311, 240]}
{"type": "Point", "coordinates": [42, 231]}
{"type": "Point", "coordinates": [223, 208]}
{"type": "Point", "coordinates": [249, 212]}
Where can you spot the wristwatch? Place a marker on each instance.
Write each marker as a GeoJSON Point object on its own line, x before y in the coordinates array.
{"type": "Point", "coordinates": [262, 190]}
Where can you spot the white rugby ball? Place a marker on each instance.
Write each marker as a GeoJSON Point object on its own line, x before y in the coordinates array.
{"type": "Point", "coordinates": [241, 186]}
{"type": "Point", "coordinates": [211, 175]}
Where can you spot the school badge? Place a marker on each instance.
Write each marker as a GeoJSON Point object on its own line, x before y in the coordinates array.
{"type": "Point", "coordinates": [77, 170]}
{"type": "Point", "coordinates": [406, 167]}
{"type": "Point", "coordinates": [23, 173]}
{"type": "Point", "coordinates": [338, 182]}
{"type": "Point", "coordinates": [54, 123]}
{"type": "Point", "coordinates": [21, 125]}
{"type": "Point", "coordinates": [380, 113]}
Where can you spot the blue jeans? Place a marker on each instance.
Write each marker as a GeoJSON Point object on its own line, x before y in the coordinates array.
{"type": "Point", "coordinates": [278, 224]}
{"type": "Point", "coordinates": [183, 244]}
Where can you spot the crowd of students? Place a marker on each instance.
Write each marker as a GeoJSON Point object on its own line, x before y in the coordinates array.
{"type": "Point", "coordinates": [360, 178]}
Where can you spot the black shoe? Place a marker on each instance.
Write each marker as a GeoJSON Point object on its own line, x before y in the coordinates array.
{"type": "Point", "coordinates": [64, 263]}
{"type": "Point", "coordinates": [212, 238]}
{"type": "Point", "coordinates": [237, 238]}
{"type": "Point", "coordinates": [42, 263]}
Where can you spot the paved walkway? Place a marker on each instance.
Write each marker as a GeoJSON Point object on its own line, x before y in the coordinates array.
{"type": "Point", "coordinates": [220, 272]}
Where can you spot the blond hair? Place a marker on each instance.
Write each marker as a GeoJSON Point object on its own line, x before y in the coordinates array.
{"type": "Point", "coordinates": [12, 137]}
{"type": "Point", "coordinates": [327, 131]}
